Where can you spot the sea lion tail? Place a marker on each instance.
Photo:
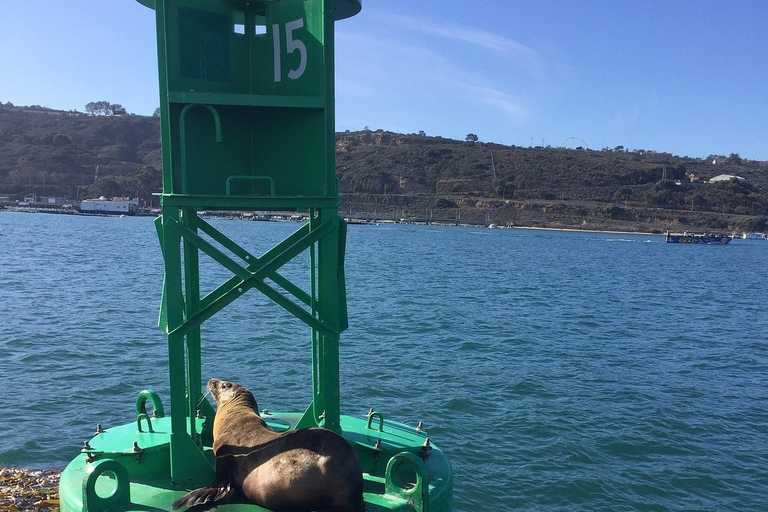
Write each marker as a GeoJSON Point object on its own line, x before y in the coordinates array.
{"type": "Point", "coordinates": [204, 495]}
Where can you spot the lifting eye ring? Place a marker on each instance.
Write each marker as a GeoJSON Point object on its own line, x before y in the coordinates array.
{"type": "Point", "coordinates": [110, 474]}
{"type": "Point", "coordinates": [408, 477]}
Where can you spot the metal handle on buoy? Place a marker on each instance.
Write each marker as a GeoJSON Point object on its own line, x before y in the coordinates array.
{"type": "Point", "coordinates": [157, 404]}
{"type": "Point", "coordinates": [141, 408]}
{"type": "Point", "coordinates": [373, 414]}
{"type": "Point", "coordinates": [145, 417]}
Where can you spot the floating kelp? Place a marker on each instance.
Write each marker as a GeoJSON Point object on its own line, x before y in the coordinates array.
{"type": "Point", "coordinates": [26, 489]}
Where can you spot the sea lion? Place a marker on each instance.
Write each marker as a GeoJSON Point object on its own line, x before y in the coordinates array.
{"type": "Point", "coordinates": [293, 471]}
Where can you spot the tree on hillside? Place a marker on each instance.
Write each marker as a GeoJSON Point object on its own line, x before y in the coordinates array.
{"type": "Point", "coordinates": [97, 108]}
{"type": "Point", "coordinates": [108, 186]}
{"type": "Point", "coordinates": [60, 140]}
{"type": "Point", "coordinates": [149, 179]}
{"type": "Point", "coordinates": [118, 110]}
{"type": "Point", "coordinates": [664, 193]}
{"type": "Point", "coordinates": [105, 108]}
{"type": "Point", "coordinates": [471, 137]}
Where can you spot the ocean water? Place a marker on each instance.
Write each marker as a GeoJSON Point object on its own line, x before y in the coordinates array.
{"type": "Point", "coordinates": [557, 370]}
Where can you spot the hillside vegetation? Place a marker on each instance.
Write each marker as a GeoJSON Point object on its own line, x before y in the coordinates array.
{"type": "Point", "coordinates": [389, 175]}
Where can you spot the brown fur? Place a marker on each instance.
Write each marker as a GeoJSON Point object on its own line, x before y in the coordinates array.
{"type": "Point", "coordinates": [293, 471]}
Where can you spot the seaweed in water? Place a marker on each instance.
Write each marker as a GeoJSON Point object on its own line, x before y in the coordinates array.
{"type": "Point", "coordinates": [27, 489]}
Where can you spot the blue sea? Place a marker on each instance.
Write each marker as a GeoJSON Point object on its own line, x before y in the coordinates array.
{"type": "Point", "coordinates": [559, 371]}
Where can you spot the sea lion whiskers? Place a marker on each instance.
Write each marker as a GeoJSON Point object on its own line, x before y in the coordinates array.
{"type": "Point", "coordinates": [205, 395]}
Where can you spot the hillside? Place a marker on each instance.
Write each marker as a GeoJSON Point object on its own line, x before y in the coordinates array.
{"type": "Point", "coordinates": [383, 174]}
{"type": "Point", "coordinates": [548, 187]}
{"type": "Point", "coordinates": [74, 155]}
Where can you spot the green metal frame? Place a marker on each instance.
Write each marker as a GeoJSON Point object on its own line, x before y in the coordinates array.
{"type": "Point", "coordinates": [247, 121]}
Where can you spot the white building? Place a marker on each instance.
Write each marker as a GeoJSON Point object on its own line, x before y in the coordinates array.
{"type": "Point", "coordinates": [725, 177]}
{"type": "Point", "coordinates": [102, 205]}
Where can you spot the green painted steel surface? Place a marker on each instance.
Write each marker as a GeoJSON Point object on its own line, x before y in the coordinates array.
{"type": "Point", "coordinates": [247, 119]}
{"type": "Point", "coordinates": [122, 469]}
{"type": "Point", "coordinates": [247, 123]}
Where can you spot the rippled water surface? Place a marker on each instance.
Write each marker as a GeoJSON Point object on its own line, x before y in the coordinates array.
{"type": "Point", "coordinates": [558, 370]}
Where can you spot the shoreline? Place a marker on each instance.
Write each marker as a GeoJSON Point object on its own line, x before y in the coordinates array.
{"type": "Point", "coordinates": [360, 221]}
{"type": "Point", "coordinates": [576, 230]}
{"type": "Point", "coordinates": [353, 220]}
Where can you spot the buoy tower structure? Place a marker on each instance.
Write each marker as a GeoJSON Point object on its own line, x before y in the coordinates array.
{"type": "Point", "coordinates": [247, 125]}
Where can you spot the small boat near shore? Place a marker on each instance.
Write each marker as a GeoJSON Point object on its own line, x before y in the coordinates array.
{"type": "Point", "coordinates": [687, 237]}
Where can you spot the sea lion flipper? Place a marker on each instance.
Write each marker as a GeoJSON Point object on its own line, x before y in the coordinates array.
{"type": "Point", "coordinates": [203, 495]}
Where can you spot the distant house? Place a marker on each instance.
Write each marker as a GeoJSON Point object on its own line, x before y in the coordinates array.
{"type": "Point", "coordinates": [53, 201]}
{"type": "Point", "coordinates": [725, 177]}
{"type": "Point", "coordinates": [718, 161]}
{"type": "Point", "coordinates": [117, 206]}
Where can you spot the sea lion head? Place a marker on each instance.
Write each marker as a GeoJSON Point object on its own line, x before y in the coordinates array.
{"type": "Point", "coordinates": [225, 393]}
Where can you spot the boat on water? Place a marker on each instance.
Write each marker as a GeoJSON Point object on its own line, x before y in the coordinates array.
{"type": "Point", "coordinates": [687, 237]}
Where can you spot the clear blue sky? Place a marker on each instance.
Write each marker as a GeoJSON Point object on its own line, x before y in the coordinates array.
{"type": "Point", "coordinates": [686, 77]}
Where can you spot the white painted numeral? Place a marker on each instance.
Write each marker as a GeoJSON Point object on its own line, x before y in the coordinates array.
{"type": "Point", "coordinates": [291, 45]}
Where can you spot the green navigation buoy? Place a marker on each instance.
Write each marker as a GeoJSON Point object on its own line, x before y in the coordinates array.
{"type": "Point", "coordinates": [247, 123]}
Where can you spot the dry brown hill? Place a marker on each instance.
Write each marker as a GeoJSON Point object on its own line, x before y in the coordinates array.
{"type": "Point", "coordinates": [383, 174]}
